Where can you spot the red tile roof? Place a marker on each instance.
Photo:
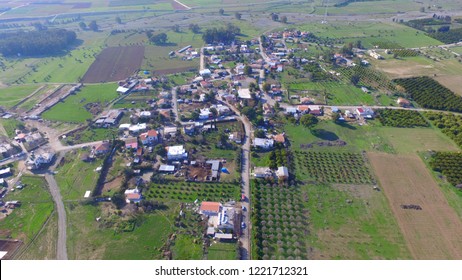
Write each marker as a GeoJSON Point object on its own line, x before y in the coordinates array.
{"type": "Point", "coordinates": [210, 206]}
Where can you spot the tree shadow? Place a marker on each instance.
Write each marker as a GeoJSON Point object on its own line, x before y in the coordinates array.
{"type": "Point", "coordinates": [346, 125]}
{"type": "Point", "coordinates": [325, 135]}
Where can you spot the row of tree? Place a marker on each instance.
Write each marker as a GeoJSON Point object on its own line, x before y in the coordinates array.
{"type": "Point", "coordinates": [224, 35]}
{"type": "Point", "coordinates": [42, 42]}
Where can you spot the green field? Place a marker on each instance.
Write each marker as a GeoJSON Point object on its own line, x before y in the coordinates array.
{"type": "Point", "coordinates": [358, 138]}
{"type": "Point", "coordinates": [222, 251]}
{"type": "Point", "coordinates": [352, 222]}
{"type": "Point", "coordinates": [338, 93]}
{"type": "Point", "coordinates": [88, 239]}
{"type": "Point", "coordinates": [75, 177]}
{"type": "Point", "coordinates": [36, 207]}
{"type": "Point", "coordinates": [73, 107]}
{"type": "Point", "coordinates": [10, 125]}
{"type": "Point", "coordinates": [187, 247]}
{"type": "Point", "coordinates": [10, 96]}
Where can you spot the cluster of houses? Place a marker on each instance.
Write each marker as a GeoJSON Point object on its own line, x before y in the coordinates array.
{"type": "Point", "coordinates": [31, 140]}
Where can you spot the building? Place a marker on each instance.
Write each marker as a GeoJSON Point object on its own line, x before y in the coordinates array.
{"type": "Point", "coordinates": [102, 148]}
{"type": "Point", "coordinates": [137, 128]}
{"type": "Point", "coordinates": [189, 129]}
{"type": "Point", "coordinates": [109, 118]}
{"type": "Point", "coordinates": [37, 160]}
{"type": "Point", "coordinates": [282, 172]}
{"type": "Point", "coordinates": [263, 143]}
{"type": "Point", "coordinates": [131, 143]}
{"type": "Point", "coordinates": [215, 168]}
{"type": "Point", "coordinates": [236, 137]}
{"type": "Point", "coordinates": [167, 168]}
{"type": "Point", "coordinates": [6, 172]}
{"type": "Point", "coordinates": [244, 93]}
{"type": "Point", "coordinates": [280, 138]}
{"type": "Point", "coordinates": [209, 208]}
{"type": "Point", "coordinates": [133, 196]}
{"type": "Point", "coordinates": [176, 152]}
{"type": "Point", "coordinates": [262, 172]}
{"type": "Point", "coordinates": [403, 102]}
{"type": "Point", "coordinates": [364, 112]}
{"type": "Point", "coordinates": [149, 137]}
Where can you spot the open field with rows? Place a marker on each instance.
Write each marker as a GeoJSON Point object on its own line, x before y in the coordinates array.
{"type": "Point", "coordinates": [432, 232]}
{"type": "Point", "coordinates": [73, 108]}
{"type": "Point", "coordinates": [342, 168]}
{"type": "Point", "coordinates": [428, 93]}
{"type": "Point", "coordinates": [279, 222]}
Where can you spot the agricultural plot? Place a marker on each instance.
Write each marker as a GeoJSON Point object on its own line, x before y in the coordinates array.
{"type": "Point", "coordinates": [223, 251]}
{"type": "Point", "coordinates": [343, 168]}
{"type": "Point", "coordinates": [140, 236]}
{"type": "Point", "coordinates": [433, 231]}
{"type": "Point", "coordinates": [11, 96]}
{"type": "Point", "coordinates": [336, 93]}
{"type": "Point", "coordinates": [83, 105]}
{"type": "Point", "coordinates": [188, 192]}
{"type": "Point", "coordinates": [450, 165]}
{"type": "Point", "coordinates": [412, 140]}
{"type": "Point", "coordinates": [157, 61]}
{"type": "Point", "coordinates": [114, 64]}
{"type": "Point", "coordinates": [36, 207]}
{"type": "Point", "coordinates": [351, 222]}
{"type": "Point", "coordinates": [428, 93]}
{"type": "Point", "coordinates": [448, 123]}
{"type": "Point", "coordinates": [186, 247]}
{"type": "Point", "coordinates": [401, 118]}
{"type": "Point", "coordinates": [279, 222]}
{"type": "Point", "coordinates": [368, 76]}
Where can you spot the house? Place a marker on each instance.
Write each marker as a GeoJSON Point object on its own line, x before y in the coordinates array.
{"type": "Point", "coordinates": [215, 168]}
{"type": "Point", "coordinates": [145, 114]}
{"type": "Point", "coordinates": [6, 172]}
{"type": "Point", "coordinates": [149, 137]}
{"type": "Point", "coordinates": [205, 73]}
{"type": "Point", "coordinates": [291, 110]}
{"type": "Point", "coordinates": [267, 110]}
{"type": "Point", "coordinates": [133, 196]}
{"type": "Point", "coordinates": [263, 143]}
{"type": "Point", "coordinates": [36, 160]}
{"type": "Point", "coordinates": [166, 168]}
{"type": "Point", "coordinates": [189, 129]}
{"type": "Point", "coordinates": [102, 148]}
{"type": "Point", "coordinates": [403, 102]}
{"type": "Point", "coordinates": [262, 172]}
{"type": "Point", "coordinates": [364, 112]}
{"type": "Point", "coordinates": [282, 172]}
{"type": "Point", "coordinates": [131, 143]}
{"type": "Point", "coordinates": [205, 114]}
{"type": "Point", "coordinates": [137, 128]}
{"type": "Point", "coordinates": [303, 108]}
{"type": "Point", "coordinates": [176, 152]}
{"type": "Point", "coordinates": [244, 93]}
{"type": "Point", "coordinates": [280, 138]}
{"type": "Point", "coordinates": [209, 208]}
{"type": "Point", "coordinates": [306, 100]}
{"type": "Point", "coordinates": [236, 137]}
{"type": "Point", "coordinates": [109, 118]}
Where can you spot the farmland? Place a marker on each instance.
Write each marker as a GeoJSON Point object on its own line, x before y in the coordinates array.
{"type": "Point", "coordinates": [448, 123]}
{"type": "Point", "coordinates": [36, 207]}
{"type": "Point", "coordinates": [13, 95]}
{"type": "Point", "coordinates": [114, 64]}
{"type": "Point", "coordinates": [450, 165]}
{"type": "Point", "coordinates": [401, 118]}
{"type": "Point", "coordinates": [405, 180]}
{"type": "Point", "coordinates": [222, 251]}
{"type": "Point", "coordinates": [430, 94]}
{"type": "Point", "coordinates": [73, 108]}
{"type": "Point", "coordinates": [345, 168]}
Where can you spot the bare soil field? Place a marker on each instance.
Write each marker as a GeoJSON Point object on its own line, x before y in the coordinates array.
{"type": "Point", "coordinates": [432, 232]}
{"type": "Point", "coordinates": [10, 246]}
{"type": "Point", "coordinates": [115, 64]}
{"type": "Point", "coordinates": [452, 82]}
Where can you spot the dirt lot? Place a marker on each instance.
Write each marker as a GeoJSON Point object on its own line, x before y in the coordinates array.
{"type": "Point", "coordinates": [451, 82]}
{"type": "Point", "coordinates": [10, 246]}
{"type": "Point", "coordinates": [430, 233]}
{"type": "Point", "coordinates": [115, 64]}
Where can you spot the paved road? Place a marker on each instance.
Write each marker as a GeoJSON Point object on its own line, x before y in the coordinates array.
{"type": "Point", "coordinates": [77, 146]}
{"type": "Point", "coordinates": [175, 104]}
{"type": "Point", "coordinates": [62, 224]}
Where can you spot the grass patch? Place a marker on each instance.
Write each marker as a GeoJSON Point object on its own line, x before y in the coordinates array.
{"type": "Point", "coordinates": [10, 125]}
{"type": "Point", "coordinates": [10, 96]}
{"type": "Point", "coordinates": [222, 251]}
{"type": "Point", "coordinates": [187, 247]}
{"type": "Point", "coordinates": [73, 107]}
{"type": "Point", "coordinates": [36, 207]}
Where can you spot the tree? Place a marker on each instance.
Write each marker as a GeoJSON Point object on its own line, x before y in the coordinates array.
{"type": "Point", "coordinates": [355, 79]}
{"type": "Point", "coordinates": [249, 112]}
{"type": "Point", "coordinates": [118, 199]}
{"type": "Point", "coordinates": [237, 15]}
{"type": "Point", "coordinates": [194, 115]}
{"type": "Point", "coordinates": [93, 25]}
{"type": "Point", "coordinates": [118, 20]}
{"type": "Point", "coordinates": [214, 112]}
{"type": "Point", "coordinates": [158, 39]}
{"type": "Point", "coordinates": [82, 25]}
{"type": "Point", "coordinates": [194, 28]}
{"type": "Point", "coordinates": [277, 106]}
{"type": "Point", "coordinates": [274, 16]}
{"type": "Point", "coordinates": [221, 12]}
{"type": "Point", "coordinates": [266, 87]}
{"type": "Point", "coordinates": [176, 28]}
{"type": "Point", "coordinates": [308, 120]}
{"type": "Point", "coordinates": [259, 133]}
{"type": "Point", "coordinates": [160, 150]}
{"type": "Point", "coordinates": [247, 70]}
{"type": "Point", "coordinates": [335, 116]}
{"type": "Point", "coordinates": [284, 19]}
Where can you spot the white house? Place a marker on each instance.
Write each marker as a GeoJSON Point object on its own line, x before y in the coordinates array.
{"type": "Point", "coordinates": [364, 112]}
{"type": "Point", "coordinates": [244, 93]}
{"type": "Point", "coordinates": [263, 143]}
{"type": "Point", "coordinates": [282, 172]}
{"type": "Point", "coordinates": [137, 128]}
{"type": "Point", "coordinates": [176, 152]}
{"type": "Point", "coordinates": [209, 208]}
{"type": "Point", "coordinates": [35, 161]}
{"type": "Point", "coordinates": [149, 137]}
{"type": "Point", "coordinates": [133, 195]}
{"type": "Point", "coordinates": [262, 172]}
{"type": "Point", "coordinates": [205, 73]}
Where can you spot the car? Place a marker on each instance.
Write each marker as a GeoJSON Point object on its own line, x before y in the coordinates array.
{"type": "Point", "coordinates": [242, 225]}
{"type": "Point", "coordinates": [243, 208]}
